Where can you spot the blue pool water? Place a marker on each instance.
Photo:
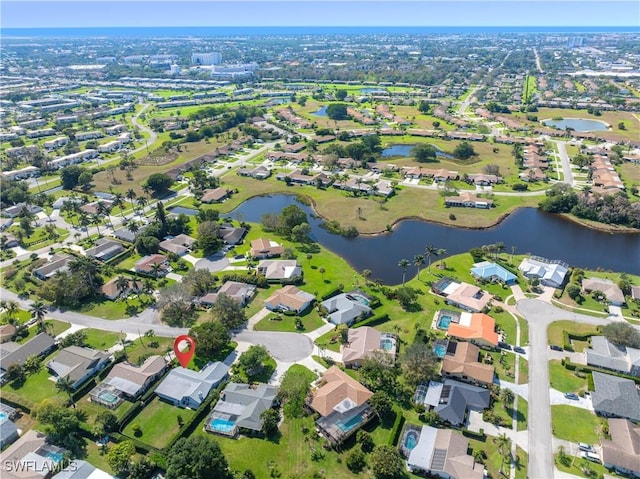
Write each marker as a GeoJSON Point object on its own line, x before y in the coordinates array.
{"type": "Point", "coordinates": [3, 416]}
{"type": "Point", "coordinates": [222, 425]}
{"type": "Point", "coordinates": [373, 90]}
{"type": "Point", "coordinates": [359, 299]}
{"type": "Point", "coordinates": [386, 344]}
{"type": "Point", "coordinates": [55, 456]}
{"type": "Point", "coordinates": [440, 350]}
{"type": "Point", "coordinates": [182, 210]}
{"type": "Point", "coordinates": [410, 440]}
{"type": "Point", "coordinates": [444, 322]}
{"type": "Point", "coordinates": [350, 424]}
{"type": "Point", "coordinates": [108, 397]}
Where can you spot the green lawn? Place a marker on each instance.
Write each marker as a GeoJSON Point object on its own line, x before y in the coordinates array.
{"type": "Point", "coordinates": [564, 380]}
{"type": "Point", "coordinates": [142, 348]}
{"type": "Point", "coordinates": [310, 322]}
{"type": "Point", "coordinates": [574, 424]}
{"type": "Point", "coordinates": [158, 422]}
{"type": "Point", "coordinates": [506, 323]}
{"type": "Point", "coordinates": [107, 309]}
{"type": "Point", "coordinates": [494, 458]}
{"type": "Point", "coordinates": [36, 388]}
{"type": "Point", "coordinates": [54, 327]}
{"type": "Point", "coordinates": [579, 466]}
{"type": "Point", "coordinates": [99, 339]}
{"type": "Point", "coordinates": [554, 332]}
{"type": "Point", "coordinates": [523, 414]}
{"type": "Point", "coordinates": [523, 371]}
{"type": "Point", "coordinates": [326, 341]}
{"type": "Point", "coordinates": [504, 364]}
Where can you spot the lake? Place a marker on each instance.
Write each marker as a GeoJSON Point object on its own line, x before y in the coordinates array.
{"type": "Point", "coordinates": [529, 230]}
{"type": "Point", "coordinates": [182, 210]}
{"type": "Point", "coordinates": [321, 112]}
{"type": "Point", "coordinates": [405, 150]}
{"type": "Point", "coordinates": [578, 124]}
{"type": "Point", "coordinates": [373, 90]}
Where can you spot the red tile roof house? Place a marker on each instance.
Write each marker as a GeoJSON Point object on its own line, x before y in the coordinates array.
{"type": "Point", "coordinates": [265, 248]}
{"type": "Point", "coordinates": [215, 196]}
{"type": "Point", "coordinates": [289, 298]}
{"type": "Point", "coordinates": [468, 200]}
{"type": "Point", "coordinates": [146, 265]}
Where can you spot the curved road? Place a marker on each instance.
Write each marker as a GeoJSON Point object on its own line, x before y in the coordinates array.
{"type": "Point", "coordinates": [540, 315]}
{"type": "Point", "coordinates": [284, 347]}
{"type": "Point", "coordinates": [152, 134]}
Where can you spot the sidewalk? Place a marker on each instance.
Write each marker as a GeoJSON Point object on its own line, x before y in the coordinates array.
{"type": "Point", "coordinates": [253, 320]}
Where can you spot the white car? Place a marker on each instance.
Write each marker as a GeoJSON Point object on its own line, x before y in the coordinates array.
{"type": "Point", "coordinates": [591, 456]}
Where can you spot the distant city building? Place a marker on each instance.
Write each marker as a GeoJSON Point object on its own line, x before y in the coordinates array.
{"type": "Point", "coordinates": [211, 58]}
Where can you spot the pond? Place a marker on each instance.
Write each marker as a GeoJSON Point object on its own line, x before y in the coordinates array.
{"type": "Point", "coordinates": [321, 112]}
{"type": "Point", "coordinates": [577, 124]}
{"type": "Point", "coordinates": [405, 151]}
{"type": "Point", "coordinates": [528, 230]}
{"type": "Point", "coordinates": [373, 90]}
{"type": "Point", "coordinates": [182, 210]}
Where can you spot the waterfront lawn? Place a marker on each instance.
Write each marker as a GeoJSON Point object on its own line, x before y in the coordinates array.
{"type": "Point", "coordinates": [574, 424]}
{"type": "Point", "coordinates": [158, 422]}
{"type": "Point", "coordinates": [284, 323]}
{"type": "Point", "coordinates": [555, 330]}
{"type": "Point", "coordinates": [565, 380]}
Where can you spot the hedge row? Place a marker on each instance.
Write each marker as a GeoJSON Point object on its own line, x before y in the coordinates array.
{"type": "Point", "coordinates": [332, 293]}
{"type": "Point", "coordinates": [373, 321]}
{"type": "Point", "coordinates": [88, 386]}
{"type": "Point", "coordinates": [17, 402]}
{"type": "Point", "coordinates": [572, 366]}
{"type": "Point", "coordinates": [396, 430]}
{"type": "Point", "coordinates": [568, 337]}
{"type": "Point", "coordinates": [140, 446]}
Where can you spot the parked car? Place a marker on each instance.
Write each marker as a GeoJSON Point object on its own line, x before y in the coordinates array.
{"type": "Point", "coordinates": [555, 347]}
{"type": "Point", "coordinates": [591, 456]}
{"type": "Point", "coordinates": [520, 350]}
{"type": "Point", "coordinates": [504, 345]}
{"type": "Point", "coordinates": [572, 396]}
{"type": "Point", "coordinates": [585, 447]}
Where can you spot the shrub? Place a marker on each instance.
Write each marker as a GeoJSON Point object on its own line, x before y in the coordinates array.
{"type": "Point", "coordinates": [355, 460]}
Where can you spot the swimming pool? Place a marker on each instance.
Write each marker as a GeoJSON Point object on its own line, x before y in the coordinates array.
{"type": "Point", "coordinates": [3, 416]}
{"type": "Point", "coordinates": [55, 456]}
{"type": "Point", "coordinates": [222, 425]}
{"type": "Point", "coordinates": [440, 350]}
{"type": "Point", "coordinates": [444, 321]}
{"type": "Point", "coordinates": [386, 344]}
{"type": "Point", "coordinates": [350, 424]}
{"type": "Point", "coordinates": [108, 397]}
{"type": "Point", "coordinates": [359, 298]}
{"type": "Point", "coordinates": [410, 440]}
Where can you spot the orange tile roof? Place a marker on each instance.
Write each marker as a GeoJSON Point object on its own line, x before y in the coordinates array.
{"type": "Point", "coordinates": [481, 327]}
{"type": "Point", "coordinates": [337, 387]}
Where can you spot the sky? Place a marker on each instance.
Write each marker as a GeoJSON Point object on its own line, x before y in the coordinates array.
{"type": "Point", "coordinates": [156, 13]}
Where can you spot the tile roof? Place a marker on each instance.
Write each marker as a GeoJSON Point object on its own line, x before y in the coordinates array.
{"type": "Point", "coordinates": [338, 388]}
{"type": "Point", "coordinates": [464, 362]}
{"type": "Point", "coordinates": [481, 327]}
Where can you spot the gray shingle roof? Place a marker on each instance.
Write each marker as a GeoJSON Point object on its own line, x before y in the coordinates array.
{"type": "Point", "coordinates": [614, 396]}
{"type": "Point", "coordinates": [247, 403]}
{"type": "Point", "coordinates": [181, 383]}
{"type": "Point", "coordinates": [17, 355]}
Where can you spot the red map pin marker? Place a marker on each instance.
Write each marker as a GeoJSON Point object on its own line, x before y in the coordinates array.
{"type": "Point", "coordinates": [184, 356]}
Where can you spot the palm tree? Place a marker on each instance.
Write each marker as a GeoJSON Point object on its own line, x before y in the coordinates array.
{"type": "Point", "coordinates": [430, 251]}
{"type": "Point", "coordinates": [133, 228]}
{"type": "Point", "coordinates": [502, 442]}
{"type": "Point", "coordinates": [130, 195]}
{"type": "Point", "coordinates": [499, 248]}
{"type": "Point", "coordinates": [118, 202]}
{"type": "Point", "coordinates": [96, 219]}
{"type": "Point", "coordinates": [403, 264]}
{"type": "Point", "coordinates": [11, 309]}
{"type": "Point", "coordinates": [366, 274]}
{"type": "Point", "coordinates": [122, 285]}
{"type": "Point", "coordinates": [148, 287]}
{"type": "Point", "coordinates": [141, 202]}
{"type": "Point", "coordinates": [38, 311]}
{"type": "Point", "coordinates": [441, 252]}
{"type": "Point", "coordinates": [85, 266]}
{"type": "Point", "coordinates": [146, 189]}
{"type": "Point", "coordinates": [418, 261]}
{"type": "Point", "coordinates": [66, 386]}
{"type": "Point", "coordinates": [321, 270]}
{"type": "Point", "coordinates": [155, 269]}
{"type": "Point", "coordinates": [507, 397]}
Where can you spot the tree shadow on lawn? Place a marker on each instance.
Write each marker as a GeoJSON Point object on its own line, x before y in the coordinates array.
{"type": "Point", "coordinates": [519, 416]}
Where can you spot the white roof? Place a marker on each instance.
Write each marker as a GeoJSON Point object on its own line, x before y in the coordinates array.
{"type": "Point", "coordinates": [420, 456]}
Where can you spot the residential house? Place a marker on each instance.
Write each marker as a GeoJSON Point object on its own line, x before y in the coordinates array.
{"type": "Point", "coordinates": [10, 240]}
{"type": "Point", "coordinates": [240, 407]}
{"type": "Point", "coordinates": [187, 388]}
{"type": "Point", "coordinates": [604, 354]}
{"type": "Point", "coordinates": [78, 364]}
{"type": "Point", "coordinates": [363, 342]}
{"type": "Point", "coordinates": [57, 263]}
{"type": "Point", "coordinates": [147, 265]}
{"type": "Point", "coordinates": [615, 397]}
{"type": "Point", "coordinates": [443, 452]}
{"type": "Point", "coordinates": [263, 248]}
{"type": "Point", "coordinates": [8, 429]}
{"type": "Point", "coordinates": [622, 452]}
{"type": "Point", "coordinates": [216, 195]}
{"type": "Point", "coordinates": [461, 362]}
{"type": "Point", "coordinates": [451, 399]}
{"type": "Point", "coordinates": [478, 328]}
{"type": "Point", "coordinates": [463, 295]}
{"type": "Point", "coordinates": [289, 298]}
{"type": "Point", "coordinates": [342, 403]}
{"type": "Point", "coordinates": [345, 308]}
{"type": "Point", "coordinates": [111, 290]}
{"type": "Point", "coordinates": [610, 290]}
{"type": "Point", "coordinates": [179, 245]}
{"type": "Point", "coordinates": [6, 332]}
{"type": "Point", "coordinates": [16, 210]}
{"type": "Point", "coordinates": [126, 381]}
{"type": "Point", "coordinates": [16, 353]}
{"type": "Point", "coordinates": [493, 272]}
{"type": "Point", "coordinates": [105, 249]}
{"type": "Point", "coordinates": [549, 272]}
{"type": "Point", "coordinates": [30, 457]}
{"type": "Point", "coordinates": [279, 270]}
{"type": "Point", "coordinates": [231, 235]}
{"type": "Point", "coordinates": [482, 179]}
{"type": "Point", "coordinates": [259, 173]}
{"type": "Point", "coordinates": [78, 469]}
{"type": "Point", "coordinates": [240, 292]}
{"type": "Point", "coordinates": [635, 292]}
{"type": "Point", "coordinates": [468, 200]}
